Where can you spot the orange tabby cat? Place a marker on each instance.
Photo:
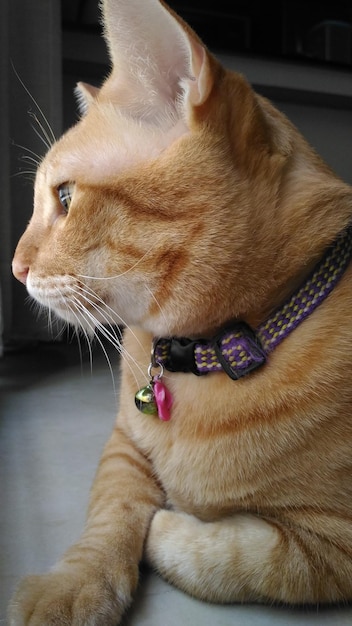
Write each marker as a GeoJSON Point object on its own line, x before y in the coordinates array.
{"type": "Point", "coordinates": [183, 203]}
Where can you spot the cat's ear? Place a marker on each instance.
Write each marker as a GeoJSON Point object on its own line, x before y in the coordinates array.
{"type": "Point", "coordinates": [85, 95]}
{"type": "Point", "coordinates": [158, 62]}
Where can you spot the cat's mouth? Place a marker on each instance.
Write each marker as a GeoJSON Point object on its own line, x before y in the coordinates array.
{"type": "Point", "coordinates": [71, 300]}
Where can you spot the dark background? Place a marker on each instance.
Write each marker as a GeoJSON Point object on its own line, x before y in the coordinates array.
{"type": "Point", "coordinates": [313, 30]}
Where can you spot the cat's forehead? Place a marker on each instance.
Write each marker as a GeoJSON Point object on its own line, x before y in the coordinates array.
{"type": "Point", "coordinates": [104, 143]}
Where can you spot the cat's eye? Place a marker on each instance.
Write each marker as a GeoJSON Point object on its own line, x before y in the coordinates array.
{"type": "Point", "coordinates": [65, 193]}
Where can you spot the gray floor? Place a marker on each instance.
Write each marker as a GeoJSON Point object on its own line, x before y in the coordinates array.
{"type": "Point", "coordinates": [55, 417]}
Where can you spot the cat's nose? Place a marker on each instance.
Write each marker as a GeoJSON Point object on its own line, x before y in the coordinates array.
{"type": "Point", "coordinates": [20, 270]}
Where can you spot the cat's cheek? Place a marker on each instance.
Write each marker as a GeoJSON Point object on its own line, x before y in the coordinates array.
{"type": "Point", "coordinates": [130, 304]}
{"type": "Point", "coordinates": [59, 219]}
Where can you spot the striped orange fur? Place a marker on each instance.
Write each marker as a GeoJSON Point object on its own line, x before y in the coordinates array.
{"type": "Point", "coordinates": [195, 202]}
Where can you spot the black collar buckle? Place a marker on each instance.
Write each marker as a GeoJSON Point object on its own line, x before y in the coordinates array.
{"type": "Point", "coordinates": [178, 354]}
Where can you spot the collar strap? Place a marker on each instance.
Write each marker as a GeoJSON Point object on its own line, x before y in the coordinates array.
{"type": "Point", "coordinates": [239, 349]}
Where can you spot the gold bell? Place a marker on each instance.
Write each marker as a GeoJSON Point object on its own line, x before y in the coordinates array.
{"type": "Point", "coordinates": [145, 400]}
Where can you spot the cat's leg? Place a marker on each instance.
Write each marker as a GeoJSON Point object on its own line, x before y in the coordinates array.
{"type": "Point", "coordinates": [93, 583]}
{"type": "Point", "coordinates": [245, 558]}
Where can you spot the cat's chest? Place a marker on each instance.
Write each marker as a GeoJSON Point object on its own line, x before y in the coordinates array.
{"type": "Point", "coordinates": [205, 467]}
{"type": "Point", "coordinates": [212, 454]}
{"type": "Point", "coordinates": [202, 478]}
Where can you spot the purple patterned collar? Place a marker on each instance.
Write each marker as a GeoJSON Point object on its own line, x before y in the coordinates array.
{"type": "Point", "coordinates": [238, 349]}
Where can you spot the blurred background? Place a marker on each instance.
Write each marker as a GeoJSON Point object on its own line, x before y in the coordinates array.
{"type": "Point", "coordinates": [296, 52]}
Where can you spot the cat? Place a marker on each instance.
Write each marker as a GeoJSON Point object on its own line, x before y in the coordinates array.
{"type": "Point", "coordinates": [187, 206]}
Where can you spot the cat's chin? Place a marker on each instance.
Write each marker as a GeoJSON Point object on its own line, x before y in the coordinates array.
{"type": "Point", "coordinates": [76, 321]}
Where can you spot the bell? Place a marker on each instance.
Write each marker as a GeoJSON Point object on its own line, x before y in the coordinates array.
{"type": "Point", "coordinates": [145, 400]}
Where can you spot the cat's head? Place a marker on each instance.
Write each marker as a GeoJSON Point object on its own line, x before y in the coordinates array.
{"type": "Point", "coordinates": [171, 203]}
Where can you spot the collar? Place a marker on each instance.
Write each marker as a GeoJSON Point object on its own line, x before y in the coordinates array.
{"type": "Point", "coordinates": [238, 349]}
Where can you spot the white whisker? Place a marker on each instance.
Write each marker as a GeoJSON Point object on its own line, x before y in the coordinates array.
{"type": "Point", "coordinates": [25, 173]}
{"type": "Point", "coordinates": [78, 328]}
{"type": "Point", "coordinates": [47, 140]}
{"type": "Point", "coordinates": [160, 309]}
{"type": "Point", "coordinates": [29, 159]}
{"type": "Point", "coordinates": [46, 144]}
{"type": "Point", "coordinates": [36, 156]}
{"type": "Point", "coordinates": [53, 138]}
{"type": "Point", "coordinates": [92, 324]}
{"type": "Point", "coordinates": [115, 318]}
{"type": "Point", "coordinates": [122, 273]}
{"type": "Point", "coordinates": [108, 331]}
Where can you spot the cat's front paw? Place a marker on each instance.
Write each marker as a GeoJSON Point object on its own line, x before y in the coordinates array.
{"type": "Point", "coordinates": [66, 599]}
